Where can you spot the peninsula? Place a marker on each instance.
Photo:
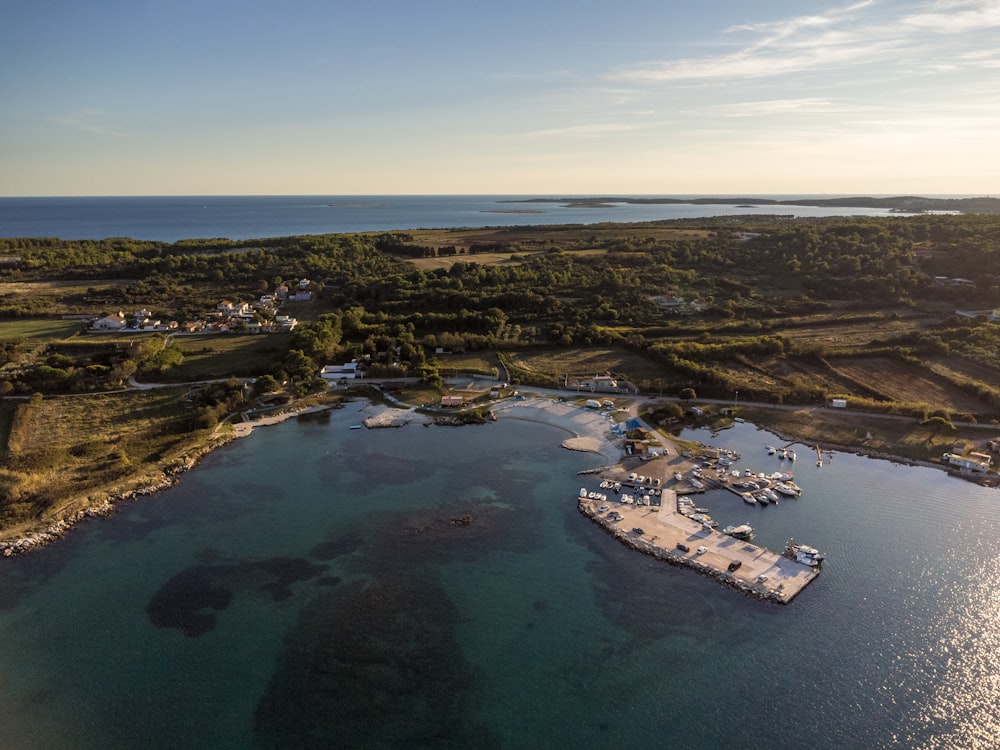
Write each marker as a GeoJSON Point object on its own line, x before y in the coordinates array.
{"type": "Point", "coordinates": [901, 204]}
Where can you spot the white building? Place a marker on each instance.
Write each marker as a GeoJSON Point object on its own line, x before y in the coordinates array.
{"type": "Point", "coordinates": [110, 323]}
{"type": "Point", "coordinates": [349, 371]}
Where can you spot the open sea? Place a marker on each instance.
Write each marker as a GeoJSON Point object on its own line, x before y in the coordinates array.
{"type": "Point", "coordinates": [313, 586]}
{"type": "Point", "coordinates": [168, 219]}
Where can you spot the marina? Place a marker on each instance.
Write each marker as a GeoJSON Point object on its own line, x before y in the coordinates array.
{"type": "Point", "coordinates": [642, 512]}
{"type": "Point", "coordinates": [662, 531]}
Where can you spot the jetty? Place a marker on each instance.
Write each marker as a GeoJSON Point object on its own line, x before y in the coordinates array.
{"type": "Point", "coordinates": [662, 532]}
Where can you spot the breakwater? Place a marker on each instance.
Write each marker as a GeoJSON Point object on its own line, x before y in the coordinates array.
{"type": "Point", "coordinates": [673, 538]}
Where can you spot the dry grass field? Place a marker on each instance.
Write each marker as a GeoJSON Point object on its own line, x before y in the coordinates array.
{"type": "Point", "coordinates": [558, 363]}
{"type": "Point", "coordinates": [843, 333]}
{"type": "Point", "coordinates": [56, 296]}
{"type": "Point", "coordinates": [220, 356]}
{"type": "Point", "coordinates": [898, 381]}
{"type": "Point", "coordinates": [41, 330]}
{"type": "Point", "coordinates": [63, 448]}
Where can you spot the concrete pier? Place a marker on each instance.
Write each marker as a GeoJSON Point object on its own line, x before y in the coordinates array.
{"type": "Point", "coordinates": [657, 531]}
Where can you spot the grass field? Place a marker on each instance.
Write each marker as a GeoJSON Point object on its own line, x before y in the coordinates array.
{"type": "Point", "coordinates": [900, 381]}
{"type": "Point", "coordinates": [221, 356]}
{"type": "Point", "coordinates": [39, 329]}
{"type": "Point", "coordinates": [63, 448]}
{"type": "Point", "coordinates": [474, 362]}
{"type": "Point", "coordinates": [558, 363]}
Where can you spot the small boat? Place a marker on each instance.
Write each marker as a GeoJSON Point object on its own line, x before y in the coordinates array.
{"type": "Point", "coordinates": [761, 498]}
{"type": "Point", "coordinates": [583, 492]}
{"type": "Point", "coordinates": [743, 531]}
{"type": "Point", "coordinates": [785, 489]}
{"type": "Point", "coordinates": [782, 453]}
{"type": "Point", "coordinates": [791, 455]}
{"type": "Point", "coordinates": [355, 427]}
{"type": "Point", "coordinates": [771, 450]}
{"type": "Point", "coordinates": [748, 498]}
{"type": "Point", "coordinates": [804, 554]}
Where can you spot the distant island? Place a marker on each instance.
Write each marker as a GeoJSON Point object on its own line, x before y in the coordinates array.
{"type": "Point", "coordinates": [900, 204]}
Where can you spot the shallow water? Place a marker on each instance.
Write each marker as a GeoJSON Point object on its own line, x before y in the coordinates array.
{"type": "Point", "coordinates": [314, 586]}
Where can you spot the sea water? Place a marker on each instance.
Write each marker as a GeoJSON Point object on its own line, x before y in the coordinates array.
{"type": "Point", "coordinates": [316, 586]}
{"type": "Point", "coordinates": [172, 218]}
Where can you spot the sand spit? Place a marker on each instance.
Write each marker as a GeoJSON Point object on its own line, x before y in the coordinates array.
{"type": "Point", "coordinates": [590, 429]}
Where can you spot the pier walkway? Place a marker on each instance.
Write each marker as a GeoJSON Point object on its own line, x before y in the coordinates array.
{"type": "Point", "coordinates": [657, 531]}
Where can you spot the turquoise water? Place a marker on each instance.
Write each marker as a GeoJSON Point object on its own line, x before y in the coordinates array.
{"type": "Point", "coordinates": [315, 586]}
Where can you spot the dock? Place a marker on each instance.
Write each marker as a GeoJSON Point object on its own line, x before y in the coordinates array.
{"type": "Point", "coordinates": [658, 530]}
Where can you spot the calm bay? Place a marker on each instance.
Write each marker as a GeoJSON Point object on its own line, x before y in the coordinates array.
{"type": "Point", "coordinates": [315, 586]}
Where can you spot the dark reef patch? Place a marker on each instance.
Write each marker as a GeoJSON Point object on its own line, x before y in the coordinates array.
{"type": "Point", "coordinates": [342, 545]}
{"type": "Point", "coordinates": [373, 664]}
{"type": "Point", "coordinates": [181, 602]}
{"type": "Point", "coordinates": [189, 600]}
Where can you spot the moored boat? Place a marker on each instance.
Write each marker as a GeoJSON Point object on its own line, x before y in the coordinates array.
{"type": "Point", "coordinates": [803, 553]}
{"type": "Point", "coordinates": [743, 531]}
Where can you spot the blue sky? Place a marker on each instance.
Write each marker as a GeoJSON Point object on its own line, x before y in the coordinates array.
{"type": "Point", "coordinates": [167, 97]}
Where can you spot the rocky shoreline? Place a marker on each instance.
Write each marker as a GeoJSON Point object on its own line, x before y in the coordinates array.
{"type": "Point", "coordinates": [105, 505]}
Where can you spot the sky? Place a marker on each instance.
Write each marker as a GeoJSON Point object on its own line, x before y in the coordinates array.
{"type": "Point", "coordinates": [655, 97]}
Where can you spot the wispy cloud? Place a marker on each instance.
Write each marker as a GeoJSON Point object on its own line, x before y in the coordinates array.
{"type": "Point", "coordinates": [956, 16]}
{"type": "Point", "coordinates": [857, 34]}
{"type": "Point", "coordinates": [89, 120]}
{"type": "Point", "coordinates": [592, 130]}
{"type": "Point", "coordinates": [778, 107]}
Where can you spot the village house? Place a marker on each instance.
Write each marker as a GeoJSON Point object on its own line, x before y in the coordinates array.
{"type": "Point", "coordinates": [110, 323]}
{"type": "Point", "coordinates": [283, 323]}
{"type": "Point", "coordinates": [348, 371]}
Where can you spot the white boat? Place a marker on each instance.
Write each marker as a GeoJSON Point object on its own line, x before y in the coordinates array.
{"type": "Point", "coordinates": [583, 492]}
{"type": "Point", "coordinates": [678, 476]}
{"type": "Point", "coordinates": [791, 455]}
{"type": "Point", "coordinates": [743, 531]}
{"type": "Point", "coordinates": [803, 553]}
{"type": "Point", "coordinates": [785, 489]}
{"type": "Point", "coordinates": [771, 450]}
{"type": "Point", "coordinates": [748, 498]}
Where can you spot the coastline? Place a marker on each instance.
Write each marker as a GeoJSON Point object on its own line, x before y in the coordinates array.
{"type": "Point", "coordinates": [159, 477]}
{"type": "Point", "coordinates": [590, 431]}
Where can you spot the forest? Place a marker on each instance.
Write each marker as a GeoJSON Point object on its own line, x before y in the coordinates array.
{"type": "Point", "coordinates": [769, 306]}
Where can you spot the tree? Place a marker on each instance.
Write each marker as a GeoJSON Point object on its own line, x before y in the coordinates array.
{"type": "Point", "coordinates": [687, 394]}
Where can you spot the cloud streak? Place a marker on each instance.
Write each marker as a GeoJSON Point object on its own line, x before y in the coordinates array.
{"type": "Point", "coordinates": [88, 120]}
{"type": "Point", "coordinates": [854, 35]}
